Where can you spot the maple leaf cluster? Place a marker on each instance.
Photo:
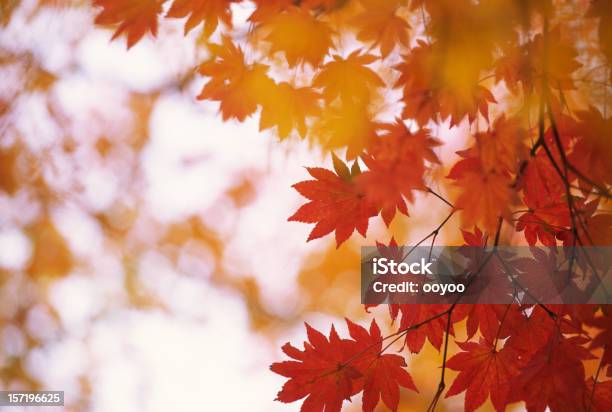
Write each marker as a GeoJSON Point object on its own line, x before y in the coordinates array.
{"type": "Point", "coordinates": [331, 370]}
{"type": "Point", "coordinates": [336, 98]}
{"type": "Point", "coordinates": [524, 83]}
{"type": "Point", "coordinates": [512, 353]}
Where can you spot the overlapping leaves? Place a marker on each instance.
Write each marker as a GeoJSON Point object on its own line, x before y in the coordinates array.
{"type": "Point", "coordinates": [549, 179]}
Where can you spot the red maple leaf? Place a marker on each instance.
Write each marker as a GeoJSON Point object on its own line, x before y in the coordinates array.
{"type": "Point", "coordinates": [544, 223]}
{"type": "Point", "coordinates": [336, 204]}
{"type": "Point", "coordinates": [318, 372]}
{"type": "Point", "coordinates": [554, 377]}
{"type": "Point", "coordinates": [544, 192]}
{"type": "Point", "coordinates": [484, 196]}
{"type": "Point", "coordinates": [384, 373]}
{"type": "Point", "coordinates": [484, 371]}
{"type": "Point", "coordinates": [541, 182]}
{"type": "Point", "coordinates": [328, 371]}
{"type": "Point", "coordinates": [432, 331]}
{"type": "Point", "coordinates": [541, 275]}
{"type": "Point", "coordinates": [600, 399]}
{"type": "Point", "coordinates": [484, 317]}
{"type": "Point", "coordinates": [396, 163]}
{"type": "Point", "coordinates": [476, 238]}
{"type": "Point", "coordinates": [531, 332]}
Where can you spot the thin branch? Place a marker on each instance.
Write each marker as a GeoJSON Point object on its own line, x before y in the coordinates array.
{"type": "Point", "coordinates": [512, 276]}
{"type": "Point", "coordinates": [440, 197]}
{"type": "Point", "coordinates": [521, 211]}
{"type": "Point", "coordinates": [524, 163]}
{"type": "Point", "coordinates": [597, 193]}
{"type": "Point", "coordinates": [501, 324]}
{"type": "Point", "coordinates": [500, 221]}
{"type": "Point", "coordinates": [595, 378]}
{"type": "Point", "coordinates": [433, 242]}
{"type": "Point", "coordinates": [442, 383]}
{"type": "Point", "coordinates": [432, 233]}
{"type": "Point", "coordinates": [601, 191]}
{"type": "Point", "coordinates": [544, 100]}
{"type": "Point", "coordinates": [399, 333]}
{"type": "Point", "coordinates": [571, 205]}
{"type": "Point", "coordinates": [542, 223]}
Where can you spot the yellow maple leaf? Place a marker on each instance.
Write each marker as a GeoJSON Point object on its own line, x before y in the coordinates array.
{"type": "Point", "coordinates": [299, 35]}
{"type": "Point", "coordinates": [346, 125]}
{"type": "Point", "coordinates": [287, 108]}
{"type": "Point", "coordinates": [348, 79]}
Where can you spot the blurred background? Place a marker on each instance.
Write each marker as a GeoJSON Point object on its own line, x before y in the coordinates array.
{"type": "Point", "coordinates": [146, 261]}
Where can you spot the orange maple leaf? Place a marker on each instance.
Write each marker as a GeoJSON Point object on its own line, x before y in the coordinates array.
{"type": "Point", "coordinates": [501, 146]}
{"type": "Point", "coordinates": [380, 24]}
{"type": "Point", "coordinates": [528, 64]}
{"type": "Point", "coordinates": [457, 105]}
{"type": "Point", "coordinates": [210, 12]}
{"type": "Point", "coordinates": [322, 5]}
{"type": "Point", "coordinates": [237, 86]}
{"type": "Point", "coordinates": [135, 17]}
{"type": "Point", "coordinates": [267, 8]}
{"type": "Point", "coordinates": [429, 91]}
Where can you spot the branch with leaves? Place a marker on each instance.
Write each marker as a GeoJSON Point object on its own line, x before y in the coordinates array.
{"type": "Point", "coordinates": [331, 71]}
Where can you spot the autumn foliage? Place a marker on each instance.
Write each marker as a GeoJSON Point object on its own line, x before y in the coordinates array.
{"type": "Point", "coordinates": [373, 83]}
